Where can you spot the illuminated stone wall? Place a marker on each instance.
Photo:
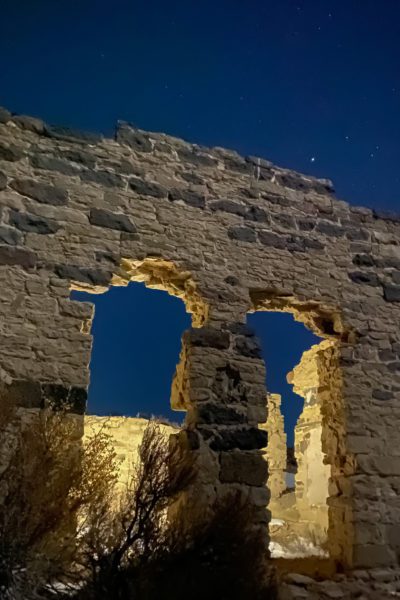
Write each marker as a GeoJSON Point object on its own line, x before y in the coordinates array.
{"type": "Point", "coordinates": [227, 235]}
{"type": "Point", "coordinates": [276, 450]}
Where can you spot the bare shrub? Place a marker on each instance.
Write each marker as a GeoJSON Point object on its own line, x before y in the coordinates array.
{"type": "Point", "coordinates": [140, 553]}
{"type": "Point", "coordinates": [119, 538]}
{"type": "Point", "coordinates": [63, 534]}
{"type": "Point", "coordinates": [46, 480]}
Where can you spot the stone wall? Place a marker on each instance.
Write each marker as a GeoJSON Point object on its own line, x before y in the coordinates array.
{"type": "Point", "coordinates": [276, 450]}
{"type": "Point", "coordinates": [227, 235]}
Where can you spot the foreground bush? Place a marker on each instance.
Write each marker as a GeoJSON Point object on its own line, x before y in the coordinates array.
{"type": "Point", "coordinates": [46, 480]}
{"type": "Point", "coordinates": [65, 534]}
{"type": "Point", "coordinates": [142, 553]}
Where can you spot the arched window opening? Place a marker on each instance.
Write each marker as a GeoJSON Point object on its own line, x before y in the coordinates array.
{"type": "Point", "coordinates": [136, 344]}
{"type": "Point", "coordinates": [298, 384]}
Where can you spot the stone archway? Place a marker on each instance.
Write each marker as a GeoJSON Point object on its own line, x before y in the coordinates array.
{"type": "Point", "coordinates": [73, 205]}
{"type": "Point", "coordinates": [319, 379]}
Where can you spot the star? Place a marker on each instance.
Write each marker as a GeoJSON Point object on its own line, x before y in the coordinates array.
{"type": "Point", "coordinates": [312, 159]}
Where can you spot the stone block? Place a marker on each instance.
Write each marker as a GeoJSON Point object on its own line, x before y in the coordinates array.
{"type": "Point", "coordinates": [371, 555]}
{"type": "Point", "coordinates": [228, 206]}
{"type": "Point", "coordinates": [3, 181]}
{"type": "Point", "coordinates": [248, 346]}
{"type": "Point", "coordinates": [147, 188]}
{"type": "Point", "coordinates": [249, 468]}
{"type": "Point", "coordinates": [391, 293]}
{"type": "Point", "coordinates": [129, 136]}
{"type": "Point", "coordinates": [41, 192]}
{"type": "Point", "coordinates": [259, 215]}
{"type": "Point", "coordinates": [268, 238]}
{"type": "Point", "coordinates": [242, 234]}
{"type": "Point", "coordinates": [32, 223]}
{"type": "Point", "coordinates": [111, 220]}
{"type": "Point", "coordinates": [379, 394]}
{"type": "Point", "coordinates": [189, 197]}
{"type": "Point", "coordinates": [72, 135]}
{"type": "Point", "coordinates": [10, 152]}
{"type": "Point", "coordinates": [29, 123]}
{"type": "Point", "coordinates": [24, 393]}
{"type": "Point", "coordinates": [13, 255]}
{"type": "Point", "coordinates": [9, 236]}
{"type": "Point", "coordinates": [246, 438]}
{"type": "Point", "coordinates": [216, 412]}
{"type": "Point", "coordinates": [95, 277]}
{"type": "Point", "coordinates": [329, 229]}
{"type": "Point", "coordinates": [208, 337]}
{"type": "Point", "coordinates": [103, 178]}
{"type": "Point", "coordinates": [364, 278]}
{"type": "Point", "coordinates": [196, 158]}
{"type": "Point", "coordinates": [49, 163]}
{"type": "Point", "coordinates": [5, 115]}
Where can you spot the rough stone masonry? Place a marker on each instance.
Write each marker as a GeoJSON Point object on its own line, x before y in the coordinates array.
{"type": "Point", "coordinates": [228, 235]}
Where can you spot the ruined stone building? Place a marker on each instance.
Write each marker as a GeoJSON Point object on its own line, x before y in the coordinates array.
{"type": "Point", "coordinates": [228, 235]}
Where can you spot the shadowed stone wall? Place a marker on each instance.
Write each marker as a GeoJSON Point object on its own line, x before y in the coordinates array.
{"type": "Point", "coordinates": [228, 235]}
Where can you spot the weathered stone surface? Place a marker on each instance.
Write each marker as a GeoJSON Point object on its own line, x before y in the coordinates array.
{"type": "Point", "coordinates": [243, 467]}
{"type": "Point", "coordinates": [366, 278]}
{"type": "Point", "coordinates": [330, 229]}
{"type": "Point", "coordinates": [132, 137]}
{"type": "Point", "coordinates": [32, 223]}
{"type": "Point", "coordinates": [25, 393]}
{"type": "Point", "coordinates": [243, 234]}
{"type": "Point", "coordinates": [189, 197]}
{"type": "Point", "coordinates": [111, 220]}
{"type": "Point", "coordinates": [10, 152]}
{"type": "Point", "coordinates": [78, 156]}
{"type": "Point", "coordinates": [228, 206]}
{"type": "Point", "coordinates": [302, 245]}
{"type": "Point", "coordinates": [17, 256]}
{"type": "Point", "coordinates": [9, 236]}
{"type": "Point", "coordinates": [41, 161]}
{"type": "Point", "coordinates": [147, 188]}
{"type": "Point", "coordinates": [272, 239]}
{"type": "Point", "coordinates": [72, 135]}
{"type": "Point", "coordinates": [3, 181]}
{"type": "Point", "coordinates": [211, 412]}
{"type": "Point", "coordinates": [392, 293]}
{"type": "Point", "coordinates": [382, 394]}
{"type": "Point", "coordinates": [196, 158]}
{"type": "Point", "coordinates": [29, 123]}
{"type": "Point", "coordinates": [105, 178]}
{"type": "Point", "coordinates": [254, 213]}
{"type": "Point", "coordinates": [296, 182]}
{"type": "Point", "coordinates": [42, 192]}
{"type": "Point", "coordinates": [248, 346]}
{"type": "Point", "coordinates": [5, 115]}
{"type": "Point", "coordinates": [363, 260]}
{"type": "Point", "coordinates": [209, 337]}
{"type": "Point", "coordinates": [250, 438]}
{"type": "Point", "coordinates": [84, 275]}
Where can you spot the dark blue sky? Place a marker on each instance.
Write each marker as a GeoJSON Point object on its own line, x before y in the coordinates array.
{"type": "Point", "coordinates": [309, 84]}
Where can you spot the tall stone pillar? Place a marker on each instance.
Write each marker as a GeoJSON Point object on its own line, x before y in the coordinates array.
{"type": "Point", "coordinates": [313, 469]}
{"type": "Point", "coordinates": [276, 451]}
{"type": "Point", "coordinates": [220, 382]}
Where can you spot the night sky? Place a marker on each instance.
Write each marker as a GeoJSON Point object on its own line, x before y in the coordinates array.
{"type": "Point", "coordinates": [311, 85]}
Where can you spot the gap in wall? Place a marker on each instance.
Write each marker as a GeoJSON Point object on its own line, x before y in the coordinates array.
{"type": "Point", "coordinates": [283, 342]}
{"type": "Point", "coordinates": [136, 344]}
{"type": "Point", "coordinates": [298, 475]}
